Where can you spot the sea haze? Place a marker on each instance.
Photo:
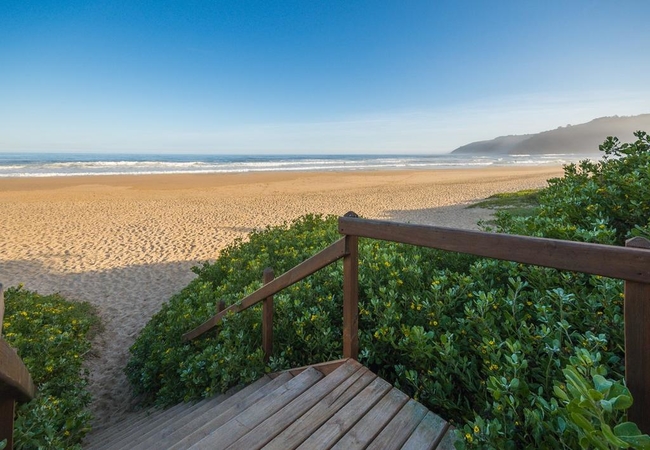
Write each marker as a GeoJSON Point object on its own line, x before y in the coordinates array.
{"type": "Point", "coordinates": [70, 164]}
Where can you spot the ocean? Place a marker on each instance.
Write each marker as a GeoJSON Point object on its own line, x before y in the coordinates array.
{"type": "Point", "coordinates": [74, 164]}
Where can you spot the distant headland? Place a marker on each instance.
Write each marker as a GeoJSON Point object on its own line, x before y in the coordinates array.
{"type": "Point", "coordinates": [583, 138]}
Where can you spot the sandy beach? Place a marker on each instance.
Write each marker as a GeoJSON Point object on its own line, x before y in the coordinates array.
{"type": "Point", "coordinates": [127, 243]}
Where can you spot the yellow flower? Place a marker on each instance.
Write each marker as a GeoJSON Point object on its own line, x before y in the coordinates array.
{"type": "Point", "coordinates": [476, 429]}
{"type": "Point", "coordinates": [469, 437]}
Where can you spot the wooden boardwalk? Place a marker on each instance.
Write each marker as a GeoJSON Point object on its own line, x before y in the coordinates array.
{"type": "Point", "coordinates": [338, 405]}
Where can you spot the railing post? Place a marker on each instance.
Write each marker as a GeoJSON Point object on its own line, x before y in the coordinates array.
{"type": "Point", "coordinates": [351, 298]}
{"type": "Point", "coordinates": [2, 307]}
{"type": "Point", "coordinates": [7, 412]}
{"type": "Point", "coordinates": [637, 345]}
{"type": "Point", "coordinates": [267, 317]}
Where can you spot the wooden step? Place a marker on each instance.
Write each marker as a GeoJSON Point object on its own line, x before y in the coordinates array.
{"type": "Point", "coordinates": [276, 423]}
{"type": "Point", "coordinates": [177, 428]}
{"type": "Point", "coordinates": [124, 427]}
{"type": "Point", "coordinates": [339, 405]}
{"type": "Point", "coordinates": [233, 408]}
{"type": "Point", "coordinates": [297, 432]}
{"type": "Point", "coordinates": [235, 428]}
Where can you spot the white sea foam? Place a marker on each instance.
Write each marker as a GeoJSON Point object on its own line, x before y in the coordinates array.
{"type": "Point", "coordinates": [59, 165]}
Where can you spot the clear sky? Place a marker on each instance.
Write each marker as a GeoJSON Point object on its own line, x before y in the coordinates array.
{"type": "Point", "coordinates": [312, 76]}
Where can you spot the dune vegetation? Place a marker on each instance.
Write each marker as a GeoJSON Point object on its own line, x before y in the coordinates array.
{"type": "Point", "coordinates": [504, 351]}
{"type": "Point", "coordinates": [515, 356]}
{"type": "Point", "coordinates": [52, 337]}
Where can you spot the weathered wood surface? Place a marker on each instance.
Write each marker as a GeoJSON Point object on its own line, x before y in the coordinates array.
{"type": "Point", "coordinates": [325, 368]}
{"type": "Point", "coordinates": [294, 434]}
{"type": "Point", "coordinates": [322, 259]}
{"type": "Point", "coordinates": [15, 380]}
{"type": "Point", "coordinates": [395, 434]}
{"type": "Point", "coordinates": [15, 383]}
{"type": "Point", "coordinates": [371, 424]}
{"type": "Point", "coordinates": [339, 424]}
{"type": "Point", "coordinates": [2, 307]}
{"type": "Point", "coordinates": [7, 408]}
{"type": "Point", "coordinates": [257, 437]}
{"type": "Point", "coordinates": [349, 408]}
{"type": "Point", "coordinates": [231, 408]}
{"type": "Point", "coordinates": [267, 318]}
{"type": "Point", "coordinates": [428, 434]}
{"type": "Point", "coordinates": [637, 344]}
{"type": "Point", "coordinates": [234, 429]}
{"type": "Point", "coordinates": [632, 264]}
{"type": "Point", "coordinates": [351, 298]}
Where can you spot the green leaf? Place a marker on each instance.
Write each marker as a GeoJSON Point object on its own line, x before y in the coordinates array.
{"type": "Point", "coordinates": [630, 433]}
{"type": "Point", "coordinates": [621, 402]}
{"type": "Point", "coordinates": [607, 432]}
{"type": "Point", "coordinates": [560, 393]}
{"type": "Point", "coordinates": [581, 421]}
{"type": "Point", "coordinates": [595, 395]}
{"type": "Point", "coordinates": [602, 384]}
{"type": "Point", "coordinates": [606, 405]}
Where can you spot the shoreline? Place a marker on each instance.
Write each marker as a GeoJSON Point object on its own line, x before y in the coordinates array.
{"type": "Point", "coordinates": [126, 243]}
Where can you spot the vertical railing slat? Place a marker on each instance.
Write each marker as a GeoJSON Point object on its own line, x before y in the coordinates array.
{"type": "Point", "coordinates": [267, 317]}
{"type": "Point", "coordinates": [7, 412]}
{"type": "Point", "coordinates": [2, 306]}
{"type": "Point", "coordinates": [351, 298]}
{"type": "Point", "coordinates": [637, 345]}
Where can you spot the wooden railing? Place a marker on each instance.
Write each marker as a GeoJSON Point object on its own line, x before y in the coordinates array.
{"type": "Point", "coordinates": [15, 383]}
{"type": "Point", "coordinates": [630, 263]}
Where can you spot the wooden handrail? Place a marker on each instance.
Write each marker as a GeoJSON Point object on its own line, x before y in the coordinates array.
{"type": "Point", "coordinates": [321, 259]}
{"type": "Point", "coordinates": [15, 380]}
{"type": "Point", "coordinates": [630, 264]}
{"type": "Point", "coordinates": [15, 383]}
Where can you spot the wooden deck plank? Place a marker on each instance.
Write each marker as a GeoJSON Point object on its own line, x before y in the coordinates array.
{"type": "Point", "coordinates": [428, 433]}
{"type": "Point", "coordinates": [292, 436]}
{"type": "Point", "coordinates": [346, 417]}
{"type": "Point", "coordinates": [369, 426]}
{"type": "Point", "coordinates": [273, 425]}
{"type": "Point", "coordinates": [398, 430]}
{"type": "Point", "coordinates": [187, 423]}
{"type": "Point", "coordinates": [251, 417]}
{"type": "Point", "coordinates": [325, 368]}
{"type": "Point", "coordinates": [160, 417]}
{"type": "Point", "coordinates": [109, 436]}
{"type": "Point", "coordinates": [447, 442]}
{"type": "Point", "coordinates": [229, 409]}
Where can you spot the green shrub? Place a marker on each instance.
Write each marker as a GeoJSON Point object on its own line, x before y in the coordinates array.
{"type": "Point", "coordinates": [484, 343]}
{"type": "Point", "coordinates": [604, 201]}
{"type": "Point", "coordinates": [51, 336]}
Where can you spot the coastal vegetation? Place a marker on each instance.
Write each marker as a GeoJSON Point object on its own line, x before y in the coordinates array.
{"type": "Point", "coordinates": [516, 204]}
{"type": "Point", "coordinates": [515, 356]}
{"type": "Point", "coordinates": [52, 337]}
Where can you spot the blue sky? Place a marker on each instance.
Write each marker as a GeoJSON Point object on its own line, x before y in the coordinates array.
{"type": "Point", "coordinates": [312, 77]}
